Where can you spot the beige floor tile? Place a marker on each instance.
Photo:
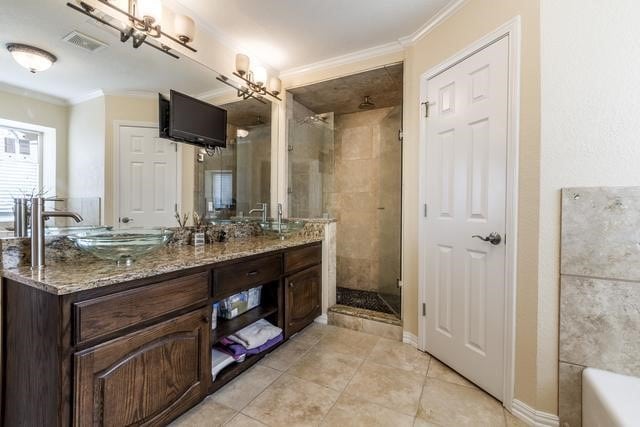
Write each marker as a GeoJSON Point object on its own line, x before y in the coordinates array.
{"type": "Point", "coordinates": [348, 342]}
{"type": "Point", "coordinates": [206, 414]}
{"type": "Point", "coordinates": [512, 421]}
{"type": "Point", "coordinates": [383, 330]}
{"type": "Point", "coordinates": [392, 388]}
{"type": "Point", "coordinates": [352, 412]}
{"type": "Point", "coordinates": [290, 401]}
{"type": "Point", "coordinates": [239, 392]}
{"type": "Point", "coordinates": [242, 420]}
{"type": "Point", "coordinates": [419, 422]}
{"type": "Point", "coordinates": [286, 355]}
{"type": "Point", "coordinates": [399, 355]}
{"type": "Point", "coordinates": [327, 368]}
{"type": "Point", "coordinates": [312, 334]}
{"type": "Point", "coordinates": [455, 405]}
{"type": "Point", "coordinates": [440, 371]}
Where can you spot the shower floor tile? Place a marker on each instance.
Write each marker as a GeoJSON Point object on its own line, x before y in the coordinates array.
{"type": "Point", "coordinates": [364, 299]}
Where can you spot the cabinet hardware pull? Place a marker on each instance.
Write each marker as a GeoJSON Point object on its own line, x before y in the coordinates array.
{"type": "Point", "coordinates": [205, 319]}
{"type": "Point", "coordinates": [252, 273]}
{"type": "Point", "coordinates": [291, 284]}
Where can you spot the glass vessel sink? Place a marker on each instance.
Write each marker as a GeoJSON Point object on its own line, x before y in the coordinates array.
{"type": "Point", "coordinates": [122, 246]}
{"type": "Point", "coordinates": [75, 229]}
{"type": "Point", "coordinates": [286, 229]}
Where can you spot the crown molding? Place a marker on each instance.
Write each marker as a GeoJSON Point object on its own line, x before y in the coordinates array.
{"type": "Point", "coordinates": [39, 96]}
{"type": "Point", "coordinates": [86, 97]}
{"type": "Point", "coordinates": [349, 58]}
{"type": "Point", "coordinates": [432, 23]}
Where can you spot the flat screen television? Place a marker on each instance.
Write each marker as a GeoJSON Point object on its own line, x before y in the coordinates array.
{"type": "Point", "coordinates": [192, 121]}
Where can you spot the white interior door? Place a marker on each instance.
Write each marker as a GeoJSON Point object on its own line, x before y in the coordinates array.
{"type": "Point", "coordinates": [148, 179]}
{"type": "Point", "coordinates": [466, 184]}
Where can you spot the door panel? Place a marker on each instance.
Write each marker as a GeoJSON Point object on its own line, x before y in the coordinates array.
{"type": "Point", "coordinates": [302, 299]}
{"type": "Point", "coordinates": [466, 194]}
{"type": "Point", "coordinates": [146, 378]}
{"type": "Point", "coordinates": [148, 184]}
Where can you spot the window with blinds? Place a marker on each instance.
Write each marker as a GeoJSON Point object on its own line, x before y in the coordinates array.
{"type": "Point", "coordinates": [221, 188]}
{"type": "Point", "coordinates": [20, 167]}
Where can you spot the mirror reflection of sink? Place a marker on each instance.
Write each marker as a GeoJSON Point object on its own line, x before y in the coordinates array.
{"type": "Point", "coordinates": [122, 246]}
{"type": "Point", "coordinates": [75, 229]}
{"type": "Point", "coordinates": [286, 228]}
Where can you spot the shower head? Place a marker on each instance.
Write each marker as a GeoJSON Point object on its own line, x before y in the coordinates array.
{"type": "Point", "coordinates": [367, 103]}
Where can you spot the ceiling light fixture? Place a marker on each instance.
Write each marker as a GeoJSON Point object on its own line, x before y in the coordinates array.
{"type": "Point", "coordinates": [32, 58]}
{"type": "Point", "coordinates": [143, 23]}
{"type": "Point", "coordinates": [242, 133]}
{"type": "Point", "coordinates": [256, 79]}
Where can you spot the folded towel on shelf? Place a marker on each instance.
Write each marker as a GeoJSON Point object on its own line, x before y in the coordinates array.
{"type": "Point", "coordinates": [239, 352]}
{"type": "Point", "coordinates": [255, 334]}
{"type": "Point", "coordinates": [219, 361]}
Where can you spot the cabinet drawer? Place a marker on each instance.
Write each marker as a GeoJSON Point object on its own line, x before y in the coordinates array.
{"type": "Point", "coordinates": [301, 258]}
{"type": "Point", "coordinates": [102, 316]}
{"type": "Point", "coordinates": [237, 277]}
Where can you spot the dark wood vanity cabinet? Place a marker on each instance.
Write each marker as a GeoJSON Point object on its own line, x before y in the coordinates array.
{"type": "Point", "coordinates": [302, 299]}
{"type": "Point", "coordinates": [139, 353]}
{"type": "Point", "coordinates": [302, 287]}
{"type": "Point", "coordinates": [144, 378]}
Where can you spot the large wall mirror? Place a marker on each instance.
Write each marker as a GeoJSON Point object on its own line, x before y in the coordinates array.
{"type": "Point", "coordinates": [86, 130]}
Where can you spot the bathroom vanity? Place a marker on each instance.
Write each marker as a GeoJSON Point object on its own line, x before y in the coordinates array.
{"type": "Point", "coordinates": [96, 345]}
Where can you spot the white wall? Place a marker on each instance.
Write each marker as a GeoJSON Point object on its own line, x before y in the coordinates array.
{"type": "Point", "coordinates": [590, 132]}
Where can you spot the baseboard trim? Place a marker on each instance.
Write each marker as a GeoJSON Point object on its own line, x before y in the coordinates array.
{"type": "Point", "coordinates": [409, 338]}
{"type": "Point", "coordinates": [533, 417]}
{"type": "Point", "coordinates": [322, 319]}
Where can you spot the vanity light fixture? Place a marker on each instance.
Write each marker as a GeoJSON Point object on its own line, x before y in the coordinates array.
{"type": "Point", "coordinates": [242, 133]}
{"type": "Point", "coordinates": [32, 58]}
{"type": "Point", "coordinates": [256, 79]}
{"type": "Point", "coordinates": [142, 22]}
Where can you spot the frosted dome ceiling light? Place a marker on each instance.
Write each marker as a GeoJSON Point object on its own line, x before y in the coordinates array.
{"type": "Point", "coordinates": [30, 57]}
{"type": "Point", "coordinates": [242, 133]}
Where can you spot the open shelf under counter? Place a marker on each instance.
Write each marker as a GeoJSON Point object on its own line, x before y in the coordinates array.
{"type": "Point", "coordinates": [235, 369]}
{"type": "Point", "coordinates": [226, 327]}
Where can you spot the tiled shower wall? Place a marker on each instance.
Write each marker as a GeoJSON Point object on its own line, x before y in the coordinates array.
{"type": "Point", "coordinates": [600, 289]}
{"type": "Point", "coordinates": [366, 199]}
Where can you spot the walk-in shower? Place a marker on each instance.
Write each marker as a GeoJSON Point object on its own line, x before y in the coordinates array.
{"type": "Point", "coordinates": [345, 162]}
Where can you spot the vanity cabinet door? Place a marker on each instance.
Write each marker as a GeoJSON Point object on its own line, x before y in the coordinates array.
{"type": "Point", "coordinates": [302, 299]}
{"type": "Point", "coordinates": [145, 378]}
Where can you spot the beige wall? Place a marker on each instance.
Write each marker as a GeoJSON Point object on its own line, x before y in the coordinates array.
{"type": "Point", "coordinates": [475, 19]}
{"type": "Point", "coordinates": [28, 109]}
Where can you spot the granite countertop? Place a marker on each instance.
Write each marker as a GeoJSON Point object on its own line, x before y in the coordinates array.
{"type": "Point", "coordinates": [67, 277]}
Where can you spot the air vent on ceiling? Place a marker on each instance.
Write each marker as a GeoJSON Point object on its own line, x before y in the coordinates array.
{"type": "Point", "coordinates": [84, 42]}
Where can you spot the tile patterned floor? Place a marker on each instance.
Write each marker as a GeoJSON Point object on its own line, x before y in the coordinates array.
{"type": "Point", "coordinates": [330, 376]}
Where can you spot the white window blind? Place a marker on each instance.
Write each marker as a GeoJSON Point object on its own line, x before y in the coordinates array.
{"type": "Point", "coordinates": [221, 188]}
{"type": "Point", "coordinates": [20, 167]}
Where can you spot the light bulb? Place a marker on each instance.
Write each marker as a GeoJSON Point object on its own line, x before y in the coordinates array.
{"type": "Point", "coordinates": [275, 85]}
{"type": "Point", "coordinates": [260, 75]}
{"type": "Point", "coordinates": [184, 28]}
{"type": "Point", "coordinates": [150, 9]}
{"type": "Point", "coordinates": [242, 64]}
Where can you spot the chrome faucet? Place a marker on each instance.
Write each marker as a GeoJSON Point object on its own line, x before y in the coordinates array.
{"type": "Point", "coordinates": [280, 221]}
{"type": "Point", "coordinates": [21, 217]}
{"type": "Point", "coordinates": [263, 207]}
{"type": "Point", "coordinates": [38, 217]}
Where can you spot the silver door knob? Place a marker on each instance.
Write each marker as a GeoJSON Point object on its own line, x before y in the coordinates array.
{"type": "Point", "coordinates": [493, 238]}
{"type": "Point", "coordinates": [126, 220]}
